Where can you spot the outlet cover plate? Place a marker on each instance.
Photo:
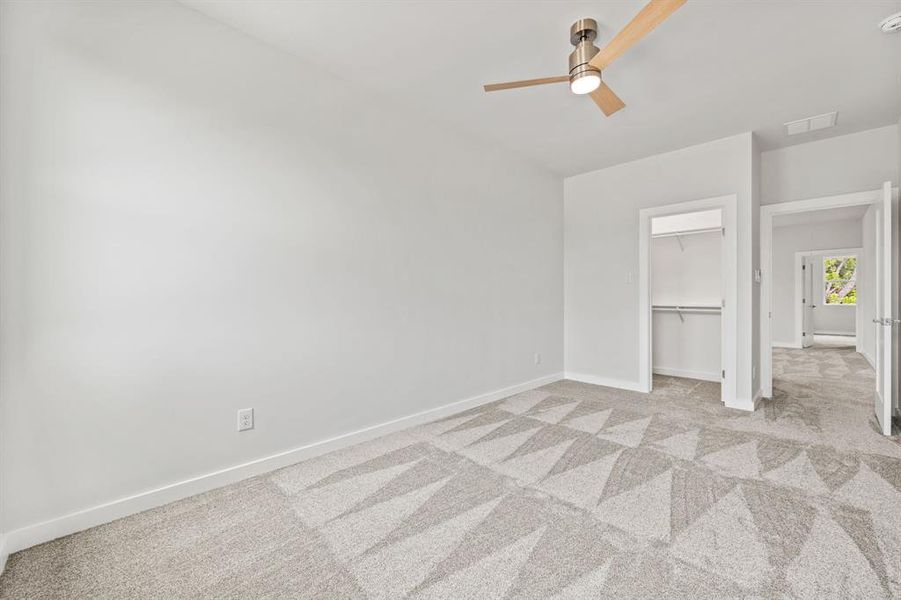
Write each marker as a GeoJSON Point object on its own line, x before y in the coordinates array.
{"type": "Point", "coordinates": [245, 419]}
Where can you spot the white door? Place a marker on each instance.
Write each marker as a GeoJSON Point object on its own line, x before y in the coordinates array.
{"type": "Point", "coordinates": [885, 302]}
{"type": "Point", "coordinates": [808, 303]}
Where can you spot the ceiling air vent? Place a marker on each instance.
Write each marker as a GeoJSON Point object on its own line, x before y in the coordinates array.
{"type": "Point", "coordinates": [814, 123]}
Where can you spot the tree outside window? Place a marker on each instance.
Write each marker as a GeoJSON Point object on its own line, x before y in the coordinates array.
{"type": "Point", "coordinates": [840, 280]}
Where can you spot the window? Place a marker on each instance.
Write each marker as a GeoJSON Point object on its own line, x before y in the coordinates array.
{"type": "Point", "coordinates": [839, 280]}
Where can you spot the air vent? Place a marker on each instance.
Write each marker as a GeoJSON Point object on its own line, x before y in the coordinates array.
{"type": "Point", "coordinates": [824, 121]}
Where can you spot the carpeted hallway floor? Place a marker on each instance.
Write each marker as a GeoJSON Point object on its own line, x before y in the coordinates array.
{"type": "Point", "coordinates": [570, 491]}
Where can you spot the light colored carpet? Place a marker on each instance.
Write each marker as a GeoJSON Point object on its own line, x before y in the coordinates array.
{"type": "Point", "coordinates": [834, 341]}
{"type": "Point", "coordinates": [570, 491]}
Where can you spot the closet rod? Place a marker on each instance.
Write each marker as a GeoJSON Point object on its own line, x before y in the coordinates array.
{"type": "Point", "coordinates": [682, 233]}
{"type": "Point", "coordinates": [700, 309]}
{"type": "Point", "coordinates": [687, 308]}
{"type": "Point", "coordinates": [679, 310]}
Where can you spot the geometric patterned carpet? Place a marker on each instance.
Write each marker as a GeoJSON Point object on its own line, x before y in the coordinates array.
{"type": "Point", "coordinates": [569, 491]}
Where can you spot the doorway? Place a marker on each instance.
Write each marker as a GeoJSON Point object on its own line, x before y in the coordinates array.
{"type": "Point", "coordinates": [689, 295]}
{"type": "Point", "coordinates": [829, 289]}
{"type": "Point", "coordinates": [686, 295]}
{"type": "Point", "coordinates": [874, 323]}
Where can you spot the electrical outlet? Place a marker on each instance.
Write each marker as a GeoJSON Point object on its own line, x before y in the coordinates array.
{"type": "Point", "coordinates": [245, 419]}
{"type": "Point", "coordinates": [537, 358]}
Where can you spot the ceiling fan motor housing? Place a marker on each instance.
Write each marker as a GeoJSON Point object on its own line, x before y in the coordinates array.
{"type": "Point", "coordinates": [582, 35]}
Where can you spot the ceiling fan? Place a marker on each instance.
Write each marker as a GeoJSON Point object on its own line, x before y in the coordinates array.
{"type": "Point", "coordinates": [587, 61]}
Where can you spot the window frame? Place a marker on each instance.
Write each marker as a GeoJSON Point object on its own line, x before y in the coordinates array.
{"type": "Point", "coordinates": [823, 280]}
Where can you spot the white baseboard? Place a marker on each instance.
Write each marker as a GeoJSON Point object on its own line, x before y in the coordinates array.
{"type": "Point", "coordinates": [31, 535]}
{"type": "Point", "coordinates": [747, 404]}
{"type": "Point", "coordinates": [689, 374]}
{"type": "Point", "coordinates": [605, 381]}
{"type": "Point", "coordinates": [793, 345]}
{"type": "Point", "coordinates": [841, 333]}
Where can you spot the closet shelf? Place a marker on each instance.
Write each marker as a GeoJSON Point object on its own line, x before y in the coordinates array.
{"type": "Point", "coordinates": [687, 232]}
{"type": "Point", "coordinates": [680, 234]}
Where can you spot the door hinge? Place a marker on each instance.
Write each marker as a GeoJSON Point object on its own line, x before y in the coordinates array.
{"type": "Point", "coordinates": [803, 267]}
{"type": "Point", "coordinates": [724, 373]}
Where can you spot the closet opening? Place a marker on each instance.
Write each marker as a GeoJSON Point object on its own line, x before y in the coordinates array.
{"type": "Point", "coordinates": [687, 296]}
{"type": "Point", "coordinates": [689, 264]}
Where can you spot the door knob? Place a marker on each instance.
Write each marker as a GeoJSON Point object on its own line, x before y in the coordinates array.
{"type": "Point", "coordinates": [888, 321]}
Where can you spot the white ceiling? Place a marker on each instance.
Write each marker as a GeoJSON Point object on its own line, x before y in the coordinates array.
{"type": "Point", "coordinates": [845, 213]}
{"type": "Point", "coordinates": [714, 69]}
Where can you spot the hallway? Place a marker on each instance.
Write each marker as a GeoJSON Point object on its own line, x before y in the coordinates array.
{"type": "Point", "coordinates": [824, 394]}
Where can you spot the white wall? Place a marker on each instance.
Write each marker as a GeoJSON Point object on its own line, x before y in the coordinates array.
{"type": "Point", "coordinates": [601, 252]}
{"type": "Point", "coordinates": [803, 238]}
{"type": "Point", "coordinates": [689, 274]}
{"type": "Point", "coordinates": [689, 348]}
{"type": "Point", "coordinates": [844, 164]}
{"type": "Point", "coordinates": [194, 223]}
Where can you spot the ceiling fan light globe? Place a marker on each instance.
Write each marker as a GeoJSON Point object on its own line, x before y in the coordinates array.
{"type": "Point", "coordinates": [585, 82]}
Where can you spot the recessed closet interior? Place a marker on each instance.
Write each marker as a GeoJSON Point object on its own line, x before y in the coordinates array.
{"type": "Point", "coordinates": [686, 283]}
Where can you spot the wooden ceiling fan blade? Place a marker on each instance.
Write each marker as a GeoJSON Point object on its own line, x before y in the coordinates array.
{"type": "Point", "coordinates": [494, 87]}
{"type": "Point", "coordinates": [606, 100]}
{"type": "Point", "coordinates": [649, 17]}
